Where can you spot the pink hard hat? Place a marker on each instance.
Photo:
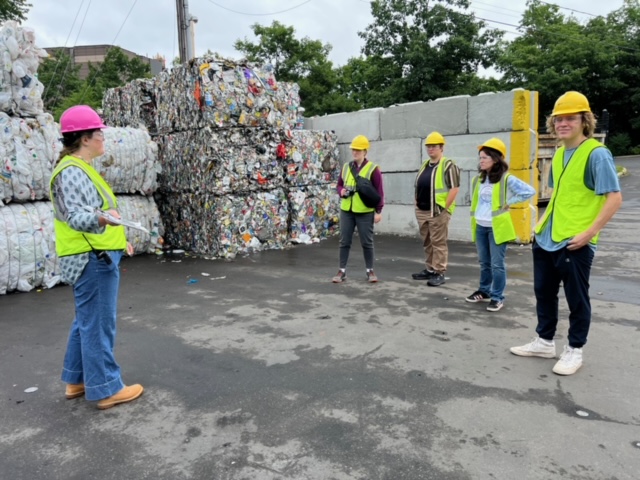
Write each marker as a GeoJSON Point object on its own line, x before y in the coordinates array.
{"type": "Point", "coordinates": [79, 118]}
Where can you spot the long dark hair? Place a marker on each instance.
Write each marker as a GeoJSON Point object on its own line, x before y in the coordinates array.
{"type": "Point", "coordinates": [72, 141]}
{"type": "Point", "coordinates": [499, 167]}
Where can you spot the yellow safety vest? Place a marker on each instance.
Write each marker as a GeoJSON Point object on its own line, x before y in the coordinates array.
{"type": "Point", "coordinates": [73, 242]}
{"type": "Point", "coordinates": [574, 205]}
{"type": "Point", "coordinates": [354, 202]}
{"type": "Point", "coordinates": [501, 221]}
{"type": "Point", "coordinates": [441, 190]}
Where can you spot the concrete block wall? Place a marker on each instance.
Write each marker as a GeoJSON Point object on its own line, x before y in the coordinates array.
{"type": "Point", "coordinates": [397, 138]}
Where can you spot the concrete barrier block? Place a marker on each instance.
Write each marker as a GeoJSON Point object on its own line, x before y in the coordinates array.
{"type": "Point", "coordinates": [401, 220]}
{"type": "Point", "coordinates": [397, 155]}
{"type": "Point", "coordinates": [523, 150]}
{"type": "Point", "coordinates": [349, 125]}
{"type": "Point", "coordinates": [399, 188]}
{"type": "Point", "coordinates": [309, 123]}
{"type": "Point", "coordinates": [501, 112]}
{"type": "Point", "coordinates": [449, 116]}
{"type": "Point", "coordinates": [464, 194]}
{"type": "Point", "coordinates": [463, 149]}
{"type": "Point", "coordinates": [460, 225]}
{"type": "Point", "coordinates": [344, 153]}
{"type": "Point", "coordinates": [398, 220]}
{"type": "Point", "coordinates": [524, 219]}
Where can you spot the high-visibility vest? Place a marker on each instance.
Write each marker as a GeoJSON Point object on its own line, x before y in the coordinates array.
{"type": "Point", "coordinates": [501, 221]}
{"type": "Point", "coordinates": [73, 242]}
{"type": "Point", "coordinates": [441, 190]}
{"type": "Point", "coordinates": [354, 202]}
{"type": "Point", "coordinates": [574, 205]}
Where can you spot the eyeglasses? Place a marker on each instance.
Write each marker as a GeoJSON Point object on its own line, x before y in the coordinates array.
{"type": "Point", "coordinates": [569, 119]}
{"type": "Point", "coordinates": [481, 157]}
{"type": "Point", "coordinates": [432, 146]}
{"type": "Point", "coordinates": [98, 134]}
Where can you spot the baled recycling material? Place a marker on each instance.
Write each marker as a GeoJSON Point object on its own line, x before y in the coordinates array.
{"type": "Point", "coordinates": [20, 90]}
{"type": "Point", "coordinates": [208, 92]}
{"type": "Point", "coordinates": [231, 191]}
{"type": "Point", "coordinates": [29, 147]}
{"type": "Point", "coordinates": [27, 250]}
{"type": "Point", "coordinates": [312, 158]}
{"type": "Point", "coordinates": [28, 257]}
{"type": "Point", "coordinates": [221, 161]}
{"type": "Point", "coordinates": [237, 175]}
{"type": "Point", "coordinates": [314, 213]}
{"type": "Point", "coordinates": [130, 163]}
{"type": "Point", "coordinates": [224, 226]}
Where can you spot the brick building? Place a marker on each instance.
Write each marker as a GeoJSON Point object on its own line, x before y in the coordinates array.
{"type": "Point", "coordinates": [94, 54]}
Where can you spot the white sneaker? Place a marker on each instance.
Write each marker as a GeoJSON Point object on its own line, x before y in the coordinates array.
{"type": "Point", "coordinates": [535, 348]}
{"type": "Point", "coordinates": [570, 361]}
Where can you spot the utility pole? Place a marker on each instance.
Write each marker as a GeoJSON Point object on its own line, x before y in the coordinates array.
{"type": "Point", "coordinates": [186, 31]}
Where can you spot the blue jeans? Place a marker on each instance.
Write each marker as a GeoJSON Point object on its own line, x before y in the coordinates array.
{"type": "Point", "coordinates": [572, 268]}
{"type": "Point", "coordinates": [89, 358]}
{"type": "Point", "coordinates": [493, 272]}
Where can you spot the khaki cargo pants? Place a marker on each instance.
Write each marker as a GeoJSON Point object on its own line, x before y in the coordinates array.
{"type": "Point", "coordinates": [435, 233]}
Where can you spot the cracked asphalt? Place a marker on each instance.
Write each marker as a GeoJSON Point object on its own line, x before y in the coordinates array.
{"type": "Point", "coordinates": [265, 370]}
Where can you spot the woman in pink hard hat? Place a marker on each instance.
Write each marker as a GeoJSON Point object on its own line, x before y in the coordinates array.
{"type": "Point", "coordinates": [90, 248]}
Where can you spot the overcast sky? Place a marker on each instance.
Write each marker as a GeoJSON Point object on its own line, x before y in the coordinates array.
{"type": "Point", "coordinates": [148, 27]}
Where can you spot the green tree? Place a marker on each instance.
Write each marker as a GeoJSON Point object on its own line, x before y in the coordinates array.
{"type": "Point", "coordinates": [624, 103]}
{"type": "Point", "coordinates": [303, 61]}
{"type": "Point", "coordinates": [556, 53]}
{"type": "Point", "coordinates": [116, 70]}
{"type": "Point", "coordinates": [14, 10]}
{"type": "Point", "coordinates": [425, 49]}
{"type": "Point", "coordinates": [60, 79]}
{"type": "Point", "coordinates": [599, 58]}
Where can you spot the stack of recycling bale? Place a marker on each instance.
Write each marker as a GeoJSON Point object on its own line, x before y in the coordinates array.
{"type": "Point", "coordinates": [236, 177]}
{"type": "Point", "coordinates": [29, 149]}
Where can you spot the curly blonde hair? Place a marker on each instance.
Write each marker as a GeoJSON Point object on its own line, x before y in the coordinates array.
{"type": "Point", "coordinates": [588, 124]}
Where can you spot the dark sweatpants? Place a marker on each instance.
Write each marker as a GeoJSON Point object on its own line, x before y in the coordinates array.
{"type": "Point", "coordinates": [348, 223]}
{"type": "Point", "coordinates": [572, 268]}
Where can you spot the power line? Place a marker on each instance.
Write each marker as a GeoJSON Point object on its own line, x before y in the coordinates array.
{"type": "Point", "coordinates": [44, 93]}
{"type": "Point", "coordinates": [570, 9]}
{"type": "Point", "coordinates": [260, 14]}
{"type": "Point", "coordinates": [560, 35]}
{"type": "Point", "coordinates": [95, 73]}
{"type": "Point", "coordinates": [66, 68]}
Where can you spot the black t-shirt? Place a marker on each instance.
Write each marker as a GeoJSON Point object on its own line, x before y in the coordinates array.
{"type": "Point", "coordinates": [423, 188]}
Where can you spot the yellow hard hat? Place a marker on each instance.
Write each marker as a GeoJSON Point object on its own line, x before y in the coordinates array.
{"type": "Point", "coordinates": [434, 138]}
{"type": "Point", "coordinates": [571, 102]}
{"type": "Point", "coordinates": [496, 144]}
{"type": "Point", "coordinates": [360, 143]}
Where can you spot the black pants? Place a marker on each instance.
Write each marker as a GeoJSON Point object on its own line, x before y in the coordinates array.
{"type": "Point", "coordinates": [572, 268]}
{"type": "Point", "coordinates": [348, 223]}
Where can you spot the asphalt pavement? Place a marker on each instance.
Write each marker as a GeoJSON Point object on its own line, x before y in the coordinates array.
{"type": "Point", "coordinates": [261, 368]}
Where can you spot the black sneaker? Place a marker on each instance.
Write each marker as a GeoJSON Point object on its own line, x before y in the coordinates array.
{"type": "Point", "coordinates": [423, 275]}
{"type": "Point", "coordinates": [495, 305]}
{"type": "Point", "coordinates": [478, 296]}
{"type": "Point", "coordinates": [436, 280]}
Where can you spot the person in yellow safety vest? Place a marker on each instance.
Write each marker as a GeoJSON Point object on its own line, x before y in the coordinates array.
{"type": "Point", "coordinates": [491, 224]}
{"type": "Point", "coordinates": [90, 248]}
{"type": "Point", "coordinates": [436, 187]}
{"type": "Point", "coordinates": [586, 195]}
{"type": "Point", "coordinates": [353, 212]}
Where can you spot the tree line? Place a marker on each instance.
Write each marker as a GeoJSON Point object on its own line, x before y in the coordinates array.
{"type": "Point", "coordinates": [419, 50]}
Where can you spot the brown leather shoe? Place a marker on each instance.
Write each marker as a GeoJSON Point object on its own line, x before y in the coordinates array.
{"type": "Point", "coordinates": [127, 394]}
{"type": "Point", "coordinates": [74, 390]}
